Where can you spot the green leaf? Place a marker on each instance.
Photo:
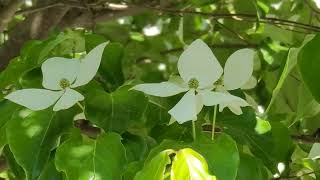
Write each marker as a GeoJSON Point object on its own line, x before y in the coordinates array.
{"type": "Point", "coordinates": [307, 106]}
{"type": "Point", "coordinates": [50, 172]}
{"type": "Point", "coordinates": [251, 168]}
{"type": "Point", "coordinates": [172, 132]}
{"type": "Point", "coordinates": [132, 169]}
{"type": "Point", "coordinates": [7, 108]}
{"type": "Point", "coordinates": [93, 40]}
{"type": "Point", "coordinates": [49, 45]}
{"type": "Point", "coordinates": [136, 147]}
{"type": "Point", "coordinates": [155, 168]}
{"type": "Point", "coordinates": [15, 169]}
{"type": "Point", "coordinates": [19, 65]}
{"type": "Point", "coordinates": [83, 159]}
{"type": "Point", "coordinates": [156, 114]}
{"type": "Point", "coordinates": [309, 65]}
{"type": "Point", "coordinates": [111, 64]}
{"type": "Point", "coordinates": [115, 111]}
{"type": "Point", "coordinates": [200, 2]}
{"type": "Point", "coordinates": [272, 147]}
{"type": "Point", "coordinates": [262, 126]}
{"type": "Point", "coordinates": [136, 36]}
{"type": "Point", "coordinates": [290, 64]}
{"type": "Point", "coordinates": [188, 164]}
{"type": "Point", "coordinates": [32, 138]}
{"type": "Point", "coordinates": [221, 155]}
{"type": "Point", "coordinates": [34, 53]}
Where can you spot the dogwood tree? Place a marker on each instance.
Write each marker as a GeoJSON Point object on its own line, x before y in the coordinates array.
{"type": "Point", "coordinates": [142, 90]}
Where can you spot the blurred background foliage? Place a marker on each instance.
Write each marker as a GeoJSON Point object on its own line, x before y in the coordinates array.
{"type": "Point", "coordinates": [271, 140]}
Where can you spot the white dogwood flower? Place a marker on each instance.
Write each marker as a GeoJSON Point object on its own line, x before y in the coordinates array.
{"type": "Point", "coordinates": [199, 69]}
{"type": "Point", "coordinates": [60, 75]}
{"type": "Point", "coordinates": [237, 73]}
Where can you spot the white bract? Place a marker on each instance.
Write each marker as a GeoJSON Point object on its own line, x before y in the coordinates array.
{"type": "Point", "coordinates": [60, 75]}
{"type": "Point", "coordinates": [200, 70]}
{"type": "Point", "coordinates": [237, 74]}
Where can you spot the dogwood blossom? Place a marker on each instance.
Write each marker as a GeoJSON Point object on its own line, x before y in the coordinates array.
{"type": "Point", "coordinates": [60, 75]}
{"type": "Point", "coordinates": [199, 69]}
{"type": "Point", "coordinates": [200, 72]}
{"type": "Point", "coordinates": [237, 73]}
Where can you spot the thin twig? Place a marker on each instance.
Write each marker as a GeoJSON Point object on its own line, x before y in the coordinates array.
{"type": "Point", "coordinates": [235, 16]}
{"type": "Point", "coordinates": [7, 13]}
{"type": "Point", "coordinates": [305, 139]}
{"type": "Point", "coordinates": [293, 30]}
{"type": "Point", "coordinates": [45, 7]}
{"type": "Point", "coordinates": [311, 7]}
{"type": "Point", "coordinates": [292, 177]}
{"type": "Point", "coordinates": [232, 32]}
{"type": "Point", "coordinates": [87, 129]}
{"type": "Point", "coordinates": [241, 17]}
{"type": "Point", "coordinates": [216, 46]}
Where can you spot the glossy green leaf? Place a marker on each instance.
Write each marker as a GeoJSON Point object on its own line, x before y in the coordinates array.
{"type": "Point", "coordinates": [83, 159]}
{"type": "Point", "coordinates": [92, 40]}
{"type": "Point", "coordinates": [188, 164]}
{"type": "Point", "coordinates": [15, 170]}
{"type": "Point", "coordinates": [290, 64]}
{"type": "Point", "coordinates": [221, 155]}
{"type": "Point", "coordinates": [111, 64]}
{"type": "Point", "coordinates": [115, 111]}
{"type": "Point", "coordinates": [136, 147]}
{"type": "Point", "coordinates": [7, 109]}
{"type": "Point", "coordinates": [272, 147]}
{"type": "Point", "coordinates": [251, 168]}
{"type": "Point", "coordinates": [32, 138]}
{"type": "Point", "coordinates": [19, 65]}
{"type": "Point", "coordinates": [309, 65]}
{"type": "Point", "coordinates": [132, 169]}
{"type": "Point", "coordinates": [50, 172]}
{"type": "Point", "coordinates": [155, 168]}
{"type": "Point", "coordinates": [262, 126]}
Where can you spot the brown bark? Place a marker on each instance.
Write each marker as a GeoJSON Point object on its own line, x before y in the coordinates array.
{"type": "Point", "coordinates": [86, 18]}
{"type": "Point", "coordinates": [38, 24]}
{"type": "Point", "coordinates": [35, 26]}
{"type": "Point", "coordinates": [7, 13]}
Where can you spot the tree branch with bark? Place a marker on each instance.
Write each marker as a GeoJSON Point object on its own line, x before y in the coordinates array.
{"type": "Point", "coordinates": [8, 12]}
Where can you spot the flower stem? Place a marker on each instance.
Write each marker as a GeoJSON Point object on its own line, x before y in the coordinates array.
{"type": "Point", "coordinates": [194, 130]}
{"type": "Point", "coordinates": [80, 106]}
{"type": "Point", "coordinates": [214, 121]}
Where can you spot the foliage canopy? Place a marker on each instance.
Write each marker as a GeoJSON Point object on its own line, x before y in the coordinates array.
{"type": "Point", "coordinates": [109, 124]}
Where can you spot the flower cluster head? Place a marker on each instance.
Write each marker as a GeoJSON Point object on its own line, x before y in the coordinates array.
{"type": "Point", "coordinates": [200, 74]}
{"type": "Point", "coordinates": [60, 76]}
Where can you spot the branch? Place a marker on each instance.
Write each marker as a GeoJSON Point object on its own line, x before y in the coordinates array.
{"type": "Point", "coordinates": [32, 10]}
{"type": "Point", "coordinates": [232, 32]}
{"type": "Point", "coordinates": [87, 129]}
{"type": "Point", "coordinates": [107, 12]}
{"type": "Point", "coordinates": [294, 177]}
{"type": "Point", "coordinates": [311, 7]}
{"type": "Point", "coordinates": [86, 15]}
{"type": "Point", "coordinates": [3, 164]}
{"type": "Point", "coordinates": [305, 139]}
{"type": "Point", "coordinates": [217, 46]}
{"type": "Point", "coordinates": [35, 26]}
{"type": "Point", "coordinates": [7, 13]}
{"type": "Point", "coordinates": [242, 17]}
{"type": "Point", "coordinates": [94, 14]}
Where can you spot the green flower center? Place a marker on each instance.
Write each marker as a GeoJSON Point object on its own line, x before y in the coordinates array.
{"type": "Point", "coordinates": [193, 83]}
{"type": "Point", "coordinates": [219, 82]}
{"type": "Point", "coordinates": [64, 83]}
